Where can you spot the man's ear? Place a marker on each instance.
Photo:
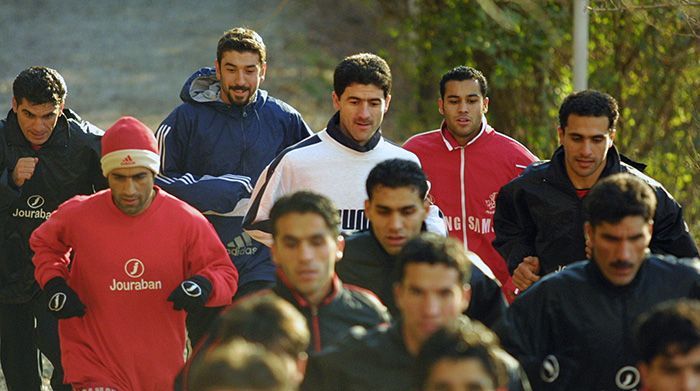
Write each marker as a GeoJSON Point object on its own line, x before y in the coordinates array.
{"type": "Point", "coordinates": [560, 133]}
{"type": "Point", "coordinates": [336, 100]}
{"type": "Point", "coordinates": [441, 107]}
{"type": "Point", "coordinates": [397, 295]}
{"type": "Point", "coordinates": [263, 70]}
{"type": "Point", "coordinates": [217, 67]}
{"type": "Point", "coordinates": [587, 231]}
{"type": "Point", "coordinates": [273, 252]}
{"type": "Point", "coordinates": [388, 100]}
{"type": "Point", "coordinates": [466, 296]}
{"type": "Point", "coordinates": [14, 105]}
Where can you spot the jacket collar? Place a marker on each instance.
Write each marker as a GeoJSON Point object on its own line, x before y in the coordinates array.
{"type": "Point", "coordinates": [451, 144]}
{"type": "Point", "coordinates": [285, 289]}
{"type": "Point", "coordinates": [333, 130]}
{"type": "Point", "coordinates": [557, 169]}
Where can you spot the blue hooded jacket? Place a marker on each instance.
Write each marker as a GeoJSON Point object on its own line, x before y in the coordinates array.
{"type": "Point", "coordinates": [212, 154]}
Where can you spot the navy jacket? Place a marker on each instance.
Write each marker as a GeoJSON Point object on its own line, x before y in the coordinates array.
{"type": "Point", "coordinates": [211, 153]}
{"type": "Point", "coordinates": [366, 264]}
{"type": "Point", "coordinates": [572, 330]}
{"type": "Point", "coordinates": [539, 213]}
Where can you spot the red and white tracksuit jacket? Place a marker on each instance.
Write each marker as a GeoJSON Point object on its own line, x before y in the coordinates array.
{"type": "Point", "coordinates": [465, 180]}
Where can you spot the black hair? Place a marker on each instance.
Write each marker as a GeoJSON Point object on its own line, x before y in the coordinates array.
{"type": "Point", "coordinates": [618, 196]}
{"type": "Point", "coordinates": [241, 39]}
{"type": "Point", "coordinates": [362, 68]}
{"type": "Point", "coordinates": [267, 320]}
{"type": "Point", "coordinates": [462, 73]}
{"type": "Point", "coordinates": [589, 103]}
{"type": "Point", "coordinates": [668, 329]}
{"type": "Point", "coordinates": [39, 85]}
{"type": "Point", "coordinates": [460, 340]}
{"type": "Point", "coordinates": [306, 202]}
{"type": "Point", "coordinates": [395, 173]}
{"type": "Point", "coordinates": [435, 250]}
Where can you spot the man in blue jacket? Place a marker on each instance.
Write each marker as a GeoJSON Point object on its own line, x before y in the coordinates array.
{"type": "Point", "coordinates": [218, 141]}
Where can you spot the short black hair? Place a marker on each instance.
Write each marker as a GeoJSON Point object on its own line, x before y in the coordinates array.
{"type": "Point", "coordinates": [39, 85]}
{"type": "Point", "coordinates": [435, 250]}
{"type": "Point", "coordinates": [460, 340]}
{"type": "Point", "coordinates": [241, 39]}
{"type": "Point", "coordinates": [362, 68]}
{"type": "Point", "coordinates": [618, 196]}
{"type": "Point", "coordinates": [462, 73]}
{"type": "Point", "coordinates": [241, 364]}
{"type": "Point", "coordinates": [306, 202]}
{"type": "Point", "coordinates": [268, 320]}
{"type": "Point", "coordinates": [589, 103]}
{"type": "Point", "coordinates": [395, 173]}
{"type": "Point", "coordinates": [668, 329]}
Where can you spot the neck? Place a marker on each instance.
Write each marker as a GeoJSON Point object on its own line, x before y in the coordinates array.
{"type": "Point", "coordinates": [587, 182]}
{"type": "Point", "coordinates": [315, 298]}
{"type": "Point", "coordinates": [412, 344]}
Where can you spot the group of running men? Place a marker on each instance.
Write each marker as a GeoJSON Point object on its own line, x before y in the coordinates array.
{"type": "Point", "coordinates": [458, 261]}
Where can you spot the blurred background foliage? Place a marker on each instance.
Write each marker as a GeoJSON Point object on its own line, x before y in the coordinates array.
{"type": "Point", "coordinates": [132, 57]}
{"type": "Point", "coordinates": [644, 53]}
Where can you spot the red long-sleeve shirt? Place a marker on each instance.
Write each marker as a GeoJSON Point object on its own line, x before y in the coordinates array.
{"type": "Point", "coordinates": [123, 269]}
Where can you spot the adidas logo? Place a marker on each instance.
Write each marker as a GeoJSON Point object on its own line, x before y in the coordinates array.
{"type": "Point", "coordinates": [241, 245]}
{"type": "Point", "coordinates": [127, 161]}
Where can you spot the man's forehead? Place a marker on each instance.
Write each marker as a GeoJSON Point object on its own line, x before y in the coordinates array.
{"type": "Point", "coordinates": [302, 225]}
{"type": "Point", "coordinates": [38, 108]}
{"type": "Point", "coordinates": [468, 87]}
{"type": "Point", "coordinates": [390, 196]}
{"type": "Point", "coordinates": [430, 275]}
{"type": "Point", "coordinates": [240, 58]}
{"type": "Point", "coordinates": [130, 171]}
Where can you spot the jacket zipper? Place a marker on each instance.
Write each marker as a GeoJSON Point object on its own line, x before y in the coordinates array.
{"type": "Point", "coordinates": [316, 328]}
{"type": "Point", "coordinates": [463, 197]}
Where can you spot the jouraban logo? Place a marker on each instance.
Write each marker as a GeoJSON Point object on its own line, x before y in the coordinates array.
{"type": "Point", "coordinates": [35, 201]}
{"type": "Point", "coordinates": [134, 268]}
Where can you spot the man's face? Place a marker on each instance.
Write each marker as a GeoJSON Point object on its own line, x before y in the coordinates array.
{"type": "Point", "coordinates": [428, 297]}
{"type": "Point", "coordinates": [362, 108]}
{"type": "Point", "coordinates": [619, 249]}
{"type": "Point", "coordinates": [463, 374]}
{"type": "Point", "coordinates": [36, 121]}
{"type": "Point", "coordinates": [679, 372]}
{"type": "Point", "coordinates": [396, 214]}
{"type": "Point", "coordinates": [586, 141]}
{"type": "Point", "coordinates": [462, 107]}
{"type": "Point", "coordinates": [306, 251]}
{"type": "Point", "coordinates": [240, 75]}
{"type": "Point", "coordinates": [132, 189]}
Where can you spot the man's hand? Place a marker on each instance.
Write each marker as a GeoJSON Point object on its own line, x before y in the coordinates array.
{"type": "Point", "coordinates": [24, 169]}
{"type": "Point", "coordinates": [526, 273]}
{"type": "Point", "coordinates": [589, 248]}
{"type": "Point", "coordinates": [62, 301]}
{"type": "Point", "coordinates": [191, 294]}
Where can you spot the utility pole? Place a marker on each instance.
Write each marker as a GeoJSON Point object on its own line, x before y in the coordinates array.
{"type": "Point", "coordinates": [580, 48]}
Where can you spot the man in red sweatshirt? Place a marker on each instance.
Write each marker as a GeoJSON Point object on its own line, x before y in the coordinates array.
{"type": "Point", "coordinates": [110, 263]}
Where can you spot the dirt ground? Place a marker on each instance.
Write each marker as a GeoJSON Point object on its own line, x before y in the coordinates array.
{"type": "Point", "coordinates": [132, 57]}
